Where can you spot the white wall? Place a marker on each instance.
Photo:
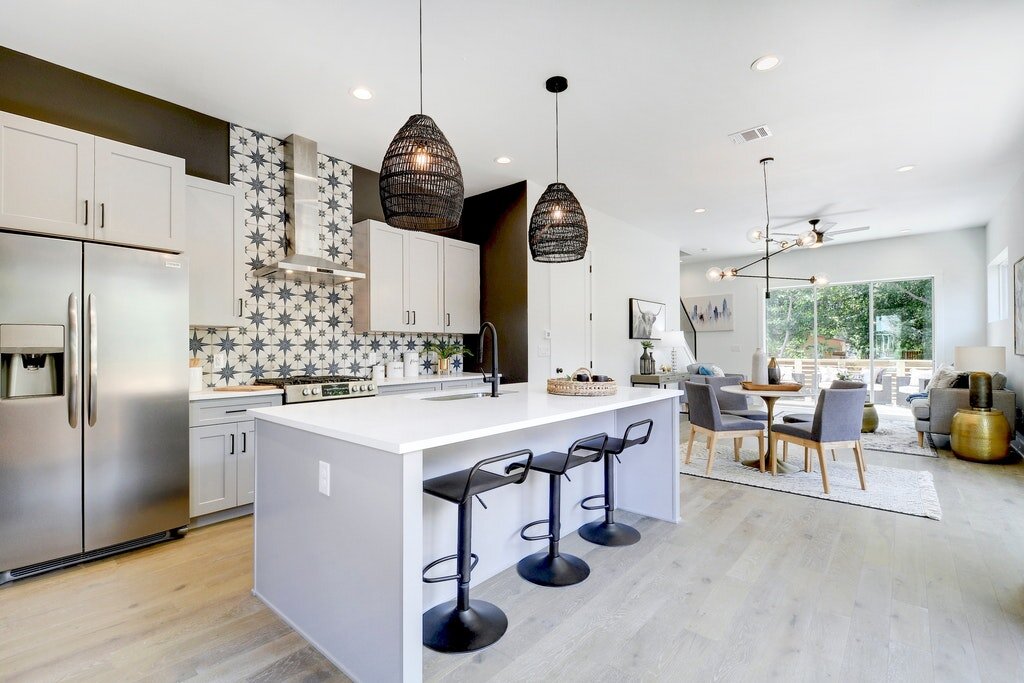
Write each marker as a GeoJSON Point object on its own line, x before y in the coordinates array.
{"type": "Point", "coordinates": [628, 262]}
{"type": "Point", "coordinates": [1006, 231]}
{"type": "Point", "coordinates": [956, 260]}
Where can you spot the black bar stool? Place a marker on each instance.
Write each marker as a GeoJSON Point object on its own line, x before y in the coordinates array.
{"type": "Point", "coordinates": [550, 567]}
{"type": "Point", "coordinates": [608, 531]}
{"type": "Point", "coordinates": [464, 625]}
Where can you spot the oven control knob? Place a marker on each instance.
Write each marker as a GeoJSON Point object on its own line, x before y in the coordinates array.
{"type": "Point", "coordinates": [305, 392]}
{"type": "Point", "coordinates": [366, 387]}
{"type": "Point", "coordinates": [316, 390]}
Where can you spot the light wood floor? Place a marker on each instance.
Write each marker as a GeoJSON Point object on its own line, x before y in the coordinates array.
{"type": "Point", "coordinates": [753, 585]}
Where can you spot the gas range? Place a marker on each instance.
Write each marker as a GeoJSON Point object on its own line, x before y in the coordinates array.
{"type": "Point", "coordinates": [322, 387]}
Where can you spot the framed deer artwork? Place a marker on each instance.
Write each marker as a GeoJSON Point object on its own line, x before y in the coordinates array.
{"type": "Point", "coordinates": [646, 319]}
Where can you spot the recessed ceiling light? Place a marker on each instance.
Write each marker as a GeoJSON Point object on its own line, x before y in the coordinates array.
{"type": "Point", "coordinates": [904, 169]}
{"type": "Point", "coordinates": [700, 210]}
{"type": "Point", "coordinates": [766, 63]}
{"type": "Point", "coordinates": [905, 230]}
{"type": "Point", "coordinates": [361, 93]}
{"type": "Point", "coordinates": [503, 160]}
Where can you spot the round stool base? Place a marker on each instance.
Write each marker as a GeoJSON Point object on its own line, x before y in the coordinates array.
{"type": "Point", "coordinates": [561, 570]}
{"type": "Point", "coordinates": [603, 533]}
{"type": "Point", "coordinates": [446, 629]}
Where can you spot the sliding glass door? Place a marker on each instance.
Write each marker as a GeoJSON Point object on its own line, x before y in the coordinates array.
{"type": "Point", "coordinates": [876, 332]}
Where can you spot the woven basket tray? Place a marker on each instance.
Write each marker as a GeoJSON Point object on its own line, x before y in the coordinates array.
{"type": "Point", "coordinates": [785, 386]}
{"type": "Point", "coordinates": [568, 387]}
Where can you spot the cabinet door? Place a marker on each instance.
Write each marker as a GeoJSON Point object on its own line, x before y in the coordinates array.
{"type": "Point", "coordinates": [140, 197]}
{"type": "Point", "coordinates": [425, 282]}
{"type": "Point", "coordinates": [213, 471]}
{"type": "Point", "coordinates": [215, 228]}
{"type": "Point", "coordinates": [46, 178]}
{"type": "Point", "coordinates": [461, 287]}
{"type": "Point", "coordinates": [388, 311]}
{"type": "Point", "coordinates": [246, 441]}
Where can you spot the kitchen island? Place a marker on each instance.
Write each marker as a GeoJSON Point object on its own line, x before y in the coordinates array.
{"type": "Point", "coordinates": [343, 529]}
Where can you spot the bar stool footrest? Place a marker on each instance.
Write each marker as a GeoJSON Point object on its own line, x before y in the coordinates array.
{"type": "Point", "coordinates": [545, 537]}
{"type": "Point", "coordinates": [452, 577]}
{"type": "Point", "coordinates": [613, 534]}
{"type": "Point", "coordinates": [602, 506]}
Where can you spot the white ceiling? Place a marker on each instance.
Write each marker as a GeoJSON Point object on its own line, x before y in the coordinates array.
{"type": "Point", "coordinates": [654, 89]}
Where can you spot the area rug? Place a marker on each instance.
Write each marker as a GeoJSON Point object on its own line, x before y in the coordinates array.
{"type": "Point", "coordinates": [908, 492]}
{"type": "Point", "coordinates": [897, 436]}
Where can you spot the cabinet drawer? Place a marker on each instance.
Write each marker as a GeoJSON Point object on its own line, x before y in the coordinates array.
{"type": "Point", "coordinates": [219, 411]}
{"type": "Point", "coordinates": [409, 388]}
{"type": "Point", "coordinates": [466, 384]}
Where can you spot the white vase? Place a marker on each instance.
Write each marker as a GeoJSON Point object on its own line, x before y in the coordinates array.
{"type": "Point", "coordinates": [759, 368]}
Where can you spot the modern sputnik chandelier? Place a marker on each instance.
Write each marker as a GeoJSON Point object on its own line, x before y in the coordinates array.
{"type": "Point", "coordinates": [421, 184]}
{"type": "Point", "coordinates": [759, 235]}
{"type": "Point", "coordinates": [558, 227]}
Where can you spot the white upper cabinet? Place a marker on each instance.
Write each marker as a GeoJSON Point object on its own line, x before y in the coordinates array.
{"type": "Point", "coordinates": [46, 178]}
{"type": "Point", "coordinates": [58, 181]}
{"type": "Point", "coordinates": [407, 286]}
{"type": "Point", "coordinates": [215, 233]}
{"type": "Point", "coordinates": [425, 282]}
{"type": "Point", "coordinates": [139, 196]}
{"type": "Point", "coordinates": [461, 287]}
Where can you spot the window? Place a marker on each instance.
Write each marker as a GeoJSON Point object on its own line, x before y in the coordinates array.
{"type": "Point", "coordinates": [999, 287]}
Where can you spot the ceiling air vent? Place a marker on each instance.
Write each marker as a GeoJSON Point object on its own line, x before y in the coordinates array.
{"type": "Point", "coordinates": [750, 135]}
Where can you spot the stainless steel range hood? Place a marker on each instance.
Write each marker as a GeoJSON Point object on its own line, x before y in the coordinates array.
{"type": "Point", "coordinates": [303, 259]}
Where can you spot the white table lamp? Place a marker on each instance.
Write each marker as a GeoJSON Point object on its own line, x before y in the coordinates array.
{"type": "Point", "coordinates": [674, 340]}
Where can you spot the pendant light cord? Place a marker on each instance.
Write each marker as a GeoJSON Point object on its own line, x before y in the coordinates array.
{"type": "Point", "coordinates": [556, 137]}
{"type": "Point", "coordinates": [421, 56]}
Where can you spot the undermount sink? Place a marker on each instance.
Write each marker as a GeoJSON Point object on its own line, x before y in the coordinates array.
{"type": "Point", "coordinates": [461, 397]}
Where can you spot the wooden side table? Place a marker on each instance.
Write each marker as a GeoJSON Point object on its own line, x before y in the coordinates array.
{"type": "Point", "coordinates": [662, 380]}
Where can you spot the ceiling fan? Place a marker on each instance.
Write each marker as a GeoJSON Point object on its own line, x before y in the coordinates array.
{"type": "Point", "coordinates": [816, 236]}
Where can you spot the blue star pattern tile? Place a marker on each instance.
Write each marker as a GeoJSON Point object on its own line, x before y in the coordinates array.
{"type": "Point", "coordinates": [293, 328]}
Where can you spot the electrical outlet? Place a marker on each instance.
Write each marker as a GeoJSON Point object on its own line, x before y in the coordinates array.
{"type": "Point", "coordinates": [220, 360]}
{"type": "Point", "coordinates": [325, 478]}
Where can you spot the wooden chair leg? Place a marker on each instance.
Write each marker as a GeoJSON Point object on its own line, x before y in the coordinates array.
{"type": "Point", "coordinates": [736, 447]}
{"type": "Point", "coordinates": [920, 439]}
{"type": "Point", "coordinates": [858, 454]}
{"type": "Point", "coordinates": [711, 454]}
{"type": "Point", "coordinates": [774, 460]}
{"type": "Point", "coordinates": [785, 451]}
{"type": "Point", "coordinates": [807, 461]}
{"type": "Point", "coordinates": [834, 455]}
{"type": "Point", "coordinates": [760, 451]}
{"type": "Point", "coordinates": [689, 446]}
{"type": "Point", "coordinates": [824, 472]}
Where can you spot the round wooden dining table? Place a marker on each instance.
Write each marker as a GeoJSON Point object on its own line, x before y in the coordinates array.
{"type": "Point", "coordinates": [769, 398]}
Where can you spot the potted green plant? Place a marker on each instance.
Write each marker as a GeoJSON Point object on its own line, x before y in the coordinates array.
{"type": "Point", "coordinates": [446, 350]}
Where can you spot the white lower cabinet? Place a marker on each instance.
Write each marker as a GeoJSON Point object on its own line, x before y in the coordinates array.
{"type": "Point", "coordinates": [222, 454]}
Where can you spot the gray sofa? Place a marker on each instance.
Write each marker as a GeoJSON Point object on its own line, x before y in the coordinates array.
{"type": "Point", "coordinates": [934, 415]}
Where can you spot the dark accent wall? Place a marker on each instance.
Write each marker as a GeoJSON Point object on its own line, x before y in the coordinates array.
{"type": "Point", "coordinates": [498, 221]}
{"type": "Point", "coordinates": [366, 195]}
{"type": "Point", "coordinates": [41, 90]}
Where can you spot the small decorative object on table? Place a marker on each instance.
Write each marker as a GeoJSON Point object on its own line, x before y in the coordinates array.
{"type": "Point", "coordinates": [870, 422]}
{"type": "Point", "coordinates": [758, 368]}
{"type": "Point", "coordinates": [647, 359]}
{"type": "Point", "coordinates": [782, 386]}
{"type": "Point", "coordinates": [593, 385]}
{"type": "Point", "coordinates": [774, 376]}
{"type": "Point", "coordinates": [445, 351]}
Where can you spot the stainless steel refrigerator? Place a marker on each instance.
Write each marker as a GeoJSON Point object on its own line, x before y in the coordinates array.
{"type": "Point", "coordinates": [93, 400]}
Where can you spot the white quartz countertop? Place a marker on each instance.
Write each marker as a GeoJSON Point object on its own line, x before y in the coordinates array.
{"type": "Point", "coordinates": [434, 379]}
{"type": "Point", "coordinates": [210, 394]}
{"type": "Point", "coordinates": [408, 423]}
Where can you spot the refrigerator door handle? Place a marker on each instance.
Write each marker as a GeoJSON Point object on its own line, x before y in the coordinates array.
{"type": "Point", "coordinates": [73, 360]}
{"type": "Point", "coordinates": [93, 361]}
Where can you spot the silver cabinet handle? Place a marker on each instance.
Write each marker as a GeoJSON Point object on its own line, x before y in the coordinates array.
{"type": "Point", "coordinates": [406, 317]}
{"type": "Point", "coordinates": [103, 214]}
{"type": "Point", "coordinates": [73, 351]}
{"type": "Point", "coordinates": [93, 361]}
{"type": "Point", "coordinates": [86, 212]}
{"type": "Point", "coordinates": [414, 317]}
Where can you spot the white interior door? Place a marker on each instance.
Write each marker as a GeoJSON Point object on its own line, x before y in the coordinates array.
{"type": "Point", "coordinates": [388, 311]}
{"type": "Point", "coordinates": [425, 284]}
{"type": "Point", "coordinates": [140, 196]}
{"type": "Point", "coordinates": [46, 177]}
{"type": "Point", "coordinates": [571, 316]}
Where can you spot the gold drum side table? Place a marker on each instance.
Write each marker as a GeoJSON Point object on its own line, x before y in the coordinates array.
{"type": "Point", "coordinates": [980, 435]}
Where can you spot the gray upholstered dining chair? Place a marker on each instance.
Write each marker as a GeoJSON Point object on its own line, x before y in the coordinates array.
{"type": "Point", "coordinates": [837, 421]}
{"type": "Point", "coordinates": [800, 418]}
{"type": "Point", "coordinates": [733, 404]}
{"type": "Point", "coordinates": [707, 419]}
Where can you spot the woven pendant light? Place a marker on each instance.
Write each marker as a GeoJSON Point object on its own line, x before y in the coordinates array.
{"type": "Point", "coordinates": [558, 227]}
{"type": "Point", "coordinates": [421, 184]}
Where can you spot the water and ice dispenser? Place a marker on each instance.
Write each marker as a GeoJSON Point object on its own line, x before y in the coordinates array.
{"type": "Point", "coordinates": [31, 361]}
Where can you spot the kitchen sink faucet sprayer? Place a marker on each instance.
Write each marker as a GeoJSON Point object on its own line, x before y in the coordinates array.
{"type": "Point", "coordinates": [494, 379]}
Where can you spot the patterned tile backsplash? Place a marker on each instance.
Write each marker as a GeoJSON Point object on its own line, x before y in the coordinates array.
{"type": "Point", "coordinates": [294, 328]}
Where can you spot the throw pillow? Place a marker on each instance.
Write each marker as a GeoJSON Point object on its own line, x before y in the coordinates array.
{"type": "Point", "coordinates": [962, 381]}
{"type": "Point", "coordinates": [717, 371]}
{"type": "Point", "coordinates": [705, 370]}
{"type": "Point", "coordinates": [998, 381]}
{"type": "Point", "coordinates": [943, 378]}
